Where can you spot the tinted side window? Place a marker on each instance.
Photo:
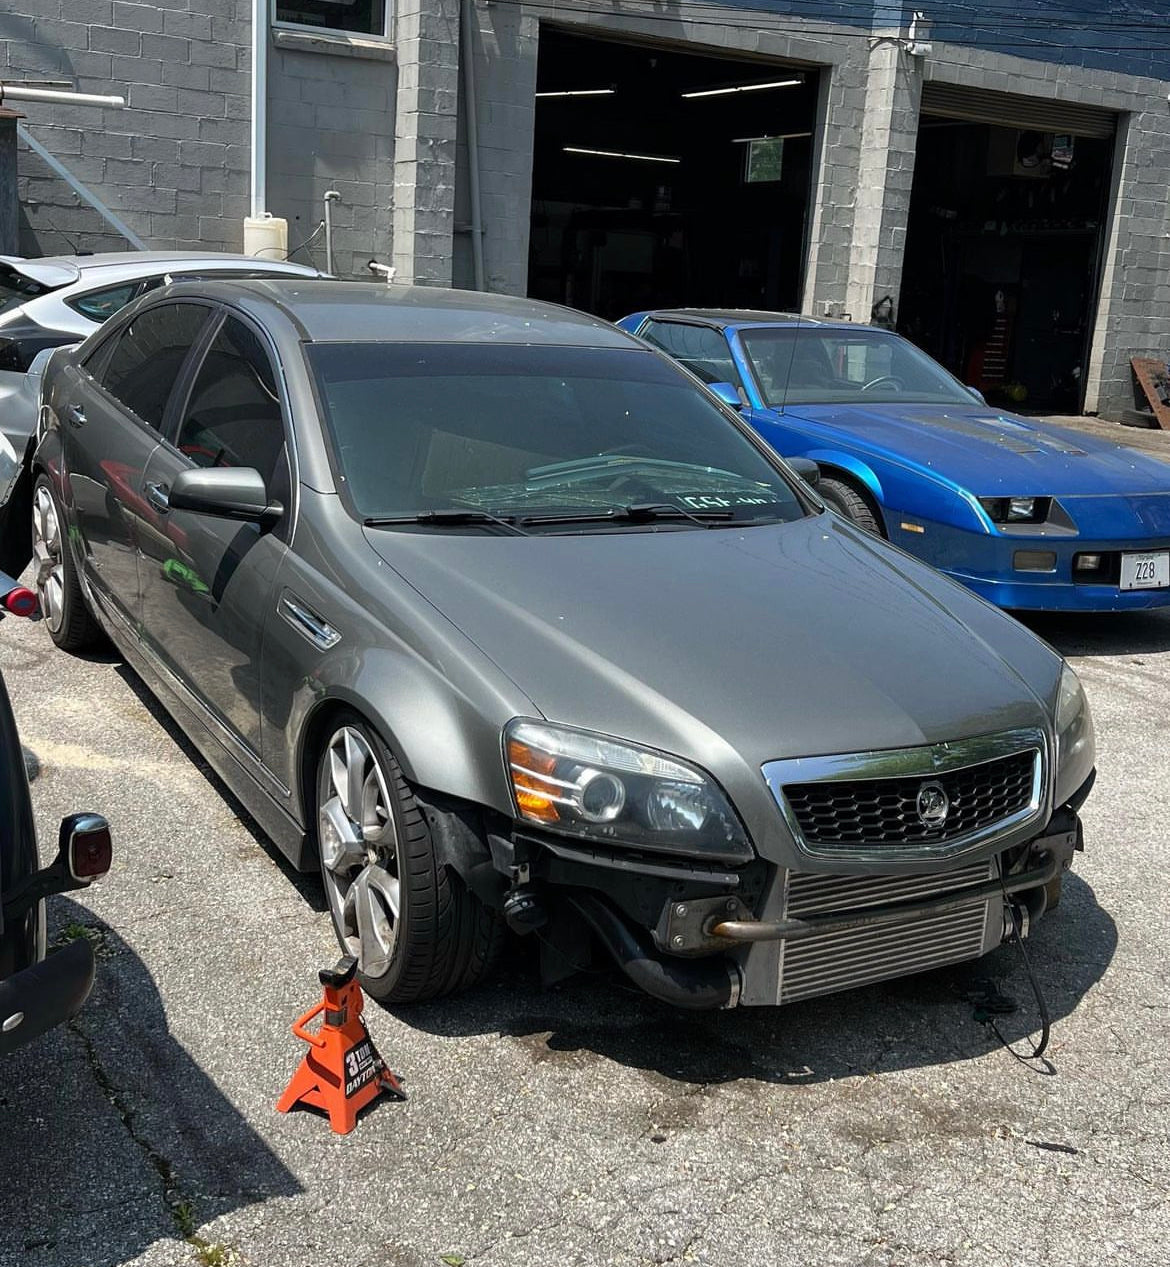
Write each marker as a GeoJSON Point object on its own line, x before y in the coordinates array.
{"type": "Point", "coordinates": [702, 350]}
{"type": "Point", "coordinates": [99, 305]}
{"type": "Point", "coordinates": [233, 415]}
{"type": "Point", "coordinates": [144, 366]}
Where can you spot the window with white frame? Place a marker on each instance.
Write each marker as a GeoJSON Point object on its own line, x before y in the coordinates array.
{"type": "Point", "coordinates": [353, 17]}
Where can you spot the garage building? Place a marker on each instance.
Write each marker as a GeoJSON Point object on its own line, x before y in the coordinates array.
{"type": "Point", "coordinates": [991, 184]}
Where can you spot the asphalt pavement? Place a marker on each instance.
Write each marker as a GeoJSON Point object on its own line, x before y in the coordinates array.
{"type": "Point", "coordinates": [584, 1124]}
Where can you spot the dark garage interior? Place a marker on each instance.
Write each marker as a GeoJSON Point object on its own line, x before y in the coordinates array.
{"type": "Point", "coordinates": [1003, 255]}
{"type": "Point", "coordinates": [697, 200]}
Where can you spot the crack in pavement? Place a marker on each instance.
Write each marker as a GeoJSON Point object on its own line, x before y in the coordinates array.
{"type": "Point", "coordinates": [179, 1207]}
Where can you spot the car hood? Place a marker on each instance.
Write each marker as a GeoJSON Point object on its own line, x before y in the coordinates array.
{"type": "Point", "coordinates": [749, 644]}
{"type": "Point", "coordinates": [991, 453]}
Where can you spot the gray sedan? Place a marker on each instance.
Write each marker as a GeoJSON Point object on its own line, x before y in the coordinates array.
{"type": "Point", "coordinates": [497, 616]}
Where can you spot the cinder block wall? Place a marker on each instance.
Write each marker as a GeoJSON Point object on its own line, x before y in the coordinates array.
{"type": "Point", "coordinates": [331, 126]}
{"type": "Point", "coordinates": [175, 165]}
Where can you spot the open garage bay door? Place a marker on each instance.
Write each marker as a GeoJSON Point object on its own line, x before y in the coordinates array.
{"type": "Point", "coordinates": [1004, 241]}
{"type": "Point", "coordinates": [1007, 109]}
{"type": "Point", "coordinates": [662, 177]}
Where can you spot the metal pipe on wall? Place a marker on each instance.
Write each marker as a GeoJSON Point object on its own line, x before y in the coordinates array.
{"type": "Point", "coordinates": [259, 106]}
{"type": "Point", "coordinates": [22, 92]}
{"type": "Point", "coordinates": [471, 109]}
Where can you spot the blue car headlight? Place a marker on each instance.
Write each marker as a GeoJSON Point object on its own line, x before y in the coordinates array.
{"type": "Point", "coordinates": [1076, 749]}
{"type": "Point", "coordinates": [1016, 510]}
{"type": "Point", "coordinates": [613, 792]}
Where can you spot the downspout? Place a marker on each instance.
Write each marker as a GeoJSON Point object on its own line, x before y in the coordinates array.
{"type": "Point", "coordinates": [259, 106]}
{"type": "Point", "coordinates": [467, 58]}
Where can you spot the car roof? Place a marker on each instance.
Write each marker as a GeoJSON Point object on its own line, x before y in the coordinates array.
{"type": "Point", "coordinates": [329, 311]}
{"type": "Point", "coordinates": [737, 318]}
{"type": "Point", "coordinates": [67, 270]}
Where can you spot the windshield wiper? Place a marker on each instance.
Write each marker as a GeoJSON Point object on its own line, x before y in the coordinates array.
{"type": "Point", "coordinates": [642, 513]}
{"type": "Point", "coordinates": [450, 517]}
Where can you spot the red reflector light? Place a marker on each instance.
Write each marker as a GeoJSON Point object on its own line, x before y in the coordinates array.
{"type": "Point", "coordinates": [90, 853]}
{"type": "Point", "coordinates": [20, 602]}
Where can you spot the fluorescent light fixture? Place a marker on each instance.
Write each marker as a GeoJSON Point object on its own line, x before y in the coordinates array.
{"type": "Point", "coordinates": [723, 92]}
{"type": "Point", "coordinates": [580, 92]}
{"type": "Point", "coordinates": [642, 158]}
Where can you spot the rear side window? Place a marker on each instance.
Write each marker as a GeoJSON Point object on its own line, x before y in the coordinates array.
{"type": "Point", "coordinates": [143, 367]}
{"type": "Point", "coordinates": [702, 350]}
{"type": "Point", "coordinates": [232, 417]}
{"type": "Point", "coordinates": [99, 305]}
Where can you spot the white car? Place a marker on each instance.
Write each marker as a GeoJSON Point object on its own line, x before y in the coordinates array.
{"type": "Point", "coordinates": [60, 299]}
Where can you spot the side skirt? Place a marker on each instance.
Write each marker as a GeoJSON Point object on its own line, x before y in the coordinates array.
{"type": "Point", "coordinates": [277, 823]}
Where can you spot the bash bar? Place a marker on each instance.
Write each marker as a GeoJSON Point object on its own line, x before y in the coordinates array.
{"type": "Point", "coordinates": [794, 929]}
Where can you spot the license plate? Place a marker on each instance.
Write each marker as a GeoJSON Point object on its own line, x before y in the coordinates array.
{"type": "Point", "coordinates": [1145, 571]}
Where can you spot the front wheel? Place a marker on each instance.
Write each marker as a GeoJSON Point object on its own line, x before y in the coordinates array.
{"type": "Point", "coordinates": [847, 501]}
{"type": "Point", "coordinates": [413, 927]}
{"type": "Point", "coordinates": [71, 624]}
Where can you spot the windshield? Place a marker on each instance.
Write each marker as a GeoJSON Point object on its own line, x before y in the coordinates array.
{"type": "Point", "coordinates": [535, 432]}
{"type": "Point", "coordinates": [834, 366]}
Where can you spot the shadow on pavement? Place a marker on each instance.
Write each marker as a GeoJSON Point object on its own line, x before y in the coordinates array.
{"type": "Point", "coordinates": [1102, 633]}
{"type": "Point", "coordinates": [114, 1138]}
{"type": "Point", "coordinates": [904, 1024]}
{"type": "Point", "coordinates": [307, 884]}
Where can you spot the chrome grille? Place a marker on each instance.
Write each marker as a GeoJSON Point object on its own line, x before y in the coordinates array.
{"type": "Point", "coordinates": [828, 962]}
{"type": "Point", "coordinates": [848, 813]}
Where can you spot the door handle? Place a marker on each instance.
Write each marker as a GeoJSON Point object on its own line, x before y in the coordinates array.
{"type": "Point", "coordinates": [159, 497]}
{"type": "Point", "coordinates": [76, 415]}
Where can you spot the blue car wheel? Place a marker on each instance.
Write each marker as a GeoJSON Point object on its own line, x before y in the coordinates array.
{"type": "Point", "coordinates": [847, 501]}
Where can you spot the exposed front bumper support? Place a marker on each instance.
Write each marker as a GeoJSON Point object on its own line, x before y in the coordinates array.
{"type": "Point", "coordinates": [748, 930]}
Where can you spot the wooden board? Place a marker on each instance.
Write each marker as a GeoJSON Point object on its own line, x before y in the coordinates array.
{"type": "Point", "coordinates": [1155, 382]}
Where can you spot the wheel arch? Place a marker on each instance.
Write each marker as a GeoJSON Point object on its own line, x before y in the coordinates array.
{"type": "Point", "coordinates": [853, 471]}
{"type": "Point", "coordinates": [861, 479]}
{"type": "Point", "coordinates": [434, 751]}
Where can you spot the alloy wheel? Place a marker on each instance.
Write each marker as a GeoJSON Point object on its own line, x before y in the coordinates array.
{"type": "Point", "coordinates": [359, 850]}
{"type": "Point", "coordinates": [48, 557]}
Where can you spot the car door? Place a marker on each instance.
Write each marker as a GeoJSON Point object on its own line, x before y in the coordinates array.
{"type": "Point", "coordinates": [112, 409]}
{"type": "Point", "coordinates": [206, 580]}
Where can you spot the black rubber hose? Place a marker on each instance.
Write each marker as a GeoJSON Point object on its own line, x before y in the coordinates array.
{"type": "Point", "coordinates": [699, 984]}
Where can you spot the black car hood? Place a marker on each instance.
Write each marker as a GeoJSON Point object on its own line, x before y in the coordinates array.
{"type": "Point", "coordinates": [789, 640]}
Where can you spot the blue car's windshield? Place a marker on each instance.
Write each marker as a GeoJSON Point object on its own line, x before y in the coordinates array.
{"type": "Point", "coordinates": [836, 365]}
{"type": "Point", "coordinates": [532, 432]}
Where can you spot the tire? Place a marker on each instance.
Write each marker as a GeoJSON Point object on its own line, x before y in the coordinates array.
{"type": "Point", "coordinates": [847, 501]}
{"type": "Point", "coordinates": [70, 622]}
{"type": "Point", "coordinates": [376, 853]}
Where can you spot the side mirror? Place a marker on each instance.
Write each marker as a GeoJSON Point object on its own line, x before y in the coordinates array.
{"type": "Point", "coordinates": [806, 468]}
{"type": "Point", "coordinates": [84, 847]}
{"type": "Point", "coordinates": [728, 393]}
{"type": "Point", "coordinates": [979, 396]}
{"type": "Point", "coordinates": [228, 492]}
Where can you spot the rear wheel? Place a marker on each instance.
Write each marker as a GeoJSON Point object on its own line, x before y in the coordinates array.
{"type": "Point", "coordinates": [413, 927]}
{"type": "Point", "coordinates": [71, 624]}
{"type": "Point", "coordinates": [847, 501]}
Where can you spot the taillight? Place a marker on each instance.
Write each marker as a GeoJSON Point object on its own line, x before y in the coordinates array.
{"type": "Point", "coordinates": [86, 842]}
{"type": "Point", "coordinates": [20, 602]}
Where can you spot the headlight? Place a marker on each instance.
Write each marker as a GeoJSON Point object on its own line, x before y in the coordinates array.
{"type": "Point", "coordinates": [584, 784]}
{"type": "Point", "coordinates": [1016, 510]}
{"type": "Point", "coordinates": [1075, 744]}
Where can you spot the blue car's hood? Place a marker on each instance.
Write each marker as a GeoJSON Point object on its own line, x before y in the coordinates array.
{"type": "Point", "coordinates": [988, 452]}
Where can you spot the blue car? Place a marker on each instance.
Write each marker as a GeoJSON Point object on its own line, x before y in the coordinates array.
{"type": "Point", "coordinates": [1027, 515]}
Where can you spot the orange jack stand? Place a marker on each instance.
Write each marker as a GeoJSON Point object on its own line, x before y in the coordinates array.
{"type": "Point", "coordinates": [342, 1071]}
